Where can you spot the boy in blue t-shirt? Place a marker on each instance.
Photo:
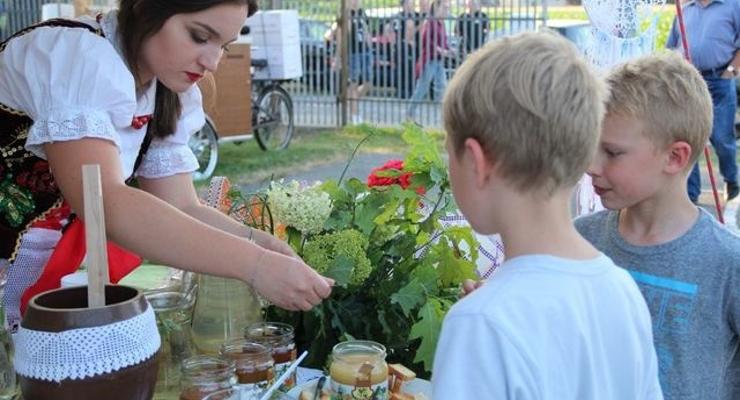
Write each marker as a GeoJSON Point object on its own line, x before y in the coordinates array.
{"type": "Point", "coordinates": [659, 116]}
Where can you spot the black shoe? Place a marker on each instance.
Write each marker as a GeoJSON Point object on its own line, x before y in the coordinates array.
{"type": "Point", "coordinates": [731, 190]}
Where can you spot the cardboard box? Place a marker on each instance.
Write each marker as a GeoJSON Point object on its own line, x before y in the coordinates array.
{"type": "Point", "coordinates": [227, 95]}
{"type": "Point", "coordinates": [274, 28]}
{"type": "Point", "coordinates": [283, 62]}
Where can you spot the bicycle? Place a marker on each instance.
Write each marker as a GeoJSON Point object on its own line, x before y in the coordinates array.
{"type": "Point", "coordinates": [272, 124]}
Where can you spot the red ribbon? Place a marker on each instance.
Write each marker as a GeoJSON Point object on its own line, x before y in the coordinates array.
{"type": "Point", "coordinates": [68, 256]}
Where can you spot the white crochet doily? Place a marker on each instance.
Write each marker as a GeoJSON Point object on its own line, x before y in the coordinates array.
{"type": "Point", "coordinates": [86, 352]}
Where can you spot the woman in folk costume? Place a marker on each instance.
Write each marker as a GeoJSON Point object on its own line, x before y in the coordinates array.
{"type": "Point", "coordinates": [119, 91]}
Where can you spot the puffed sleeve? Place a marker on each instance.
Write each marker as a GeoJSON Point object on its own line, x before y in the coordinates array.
{"type": "Point", "coordinates": [172, 155]}
{"type": "Point", "coordinates": [71, 82]}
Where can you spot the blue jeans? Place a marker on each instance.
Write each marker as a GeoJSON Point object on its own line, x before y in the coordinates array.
{"type": "Point", "coordinates": [361, 67]}
{"type": "Point", "coordinates": [434, 71]}
{"type": "Point", "coordinates": [724, 99]}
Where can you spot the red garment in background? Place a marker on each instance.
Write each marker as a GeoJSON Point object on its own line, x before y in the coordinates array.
{"type": "Point", "coordinates": [433, 36]}
{"type": "Point", "coordinates": [68, 256]}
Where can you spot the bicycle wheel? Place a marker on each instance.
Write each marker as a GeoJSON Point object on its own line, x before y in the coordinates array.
{"type": "Point", "coordinates": [274, 127]}
{"type": "Point", "coordinates": [204, 145]}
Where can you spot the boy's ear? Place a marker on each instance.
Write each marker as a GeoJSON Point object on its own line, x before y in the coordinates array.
{"type": "Point", "coordinates": [679, 154]}
{"type": "Point", "coordinates": [478, 161]}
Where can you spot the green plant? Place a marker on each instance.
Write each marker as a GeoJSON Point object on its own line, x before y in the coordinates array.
{"type": "Point", "coordinates": [397, 270]}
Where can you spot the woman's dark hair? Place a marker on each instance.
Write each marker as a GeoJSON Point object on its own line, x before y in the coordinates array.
{"type": "Point", "coordinates": [139, 20]}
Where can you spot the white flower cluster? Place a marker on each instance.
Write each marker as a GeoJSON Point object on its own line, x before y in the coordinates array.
{"type": "Point", "coordinates": [303, 207]}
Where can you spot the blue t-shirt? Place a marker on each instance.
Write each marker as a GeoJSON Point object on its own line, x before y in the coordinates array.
{"type": "Point", "coordinates": [692, 288]}
{"type": "Point", "coordinates": [713, 32]}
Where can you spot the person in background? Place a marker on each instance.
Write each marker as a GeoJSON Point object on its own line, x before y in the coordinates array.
{"type": "Point", "coordinates": [405, 27]}
{"type": "Point", "coordinates": [472, 28]}
{"type": "Point", "coordinates": [360, 52]}
{"type": "Point", "coordinates": [713, 29]}
{"type": "Point", "coordinates": [430, 67]}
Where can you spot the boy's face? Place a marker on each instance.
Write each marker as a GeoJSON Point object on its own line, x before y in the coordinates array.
{"type": "Point", "coordinates": [627, 168]}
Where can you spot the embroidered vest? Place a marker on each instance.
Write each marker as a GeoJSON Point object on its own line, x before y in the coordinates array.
{"type": "Point", "coordinates": [27, 189]}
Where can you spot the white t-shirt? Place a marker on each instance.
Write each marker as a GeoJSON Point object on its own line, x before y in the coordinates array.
{"type": "Point", "coordinates": [73, 83]}
{"type": "Point", "coordinates": [549, 328]}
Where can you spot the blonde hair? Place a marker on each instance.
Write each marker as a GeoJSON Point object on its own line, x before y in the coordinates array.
{"type": "Point", "coordinates": [668, 96]}
{"type": "Point", "coordinates": [535, 106]}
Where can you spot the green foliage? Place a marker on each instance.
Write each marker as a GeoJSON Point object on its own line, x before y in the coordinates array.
{"type": "Point", "coordinates": [398, 271]}
{"type": "Point", "coordinates": [340, 256]}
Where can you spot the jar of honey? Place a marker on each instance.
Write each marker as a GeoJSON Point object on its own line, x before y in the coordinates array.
{"type": "Point", "coordinates": [281, 337]}
{"type": "Point", "coordinates": [255, 368]}
{"type": "Point", "coordinates": [359, 371]}
{"type": "Point", "coordinates": [203, 375]}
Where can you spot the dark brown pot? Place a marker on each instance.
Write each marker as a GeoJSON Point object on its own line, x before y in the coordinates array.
{"type": "Point", "coordinates": [64, 309]}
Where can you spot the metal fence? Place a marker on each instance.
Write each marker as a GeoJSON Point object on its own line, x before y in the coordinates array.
{"type": "Point", "coordinates": [388, 70]}
{"type": "Point", "coordinates": [18, 14]}
{"type": "Point", "coordinates": [392, 65]}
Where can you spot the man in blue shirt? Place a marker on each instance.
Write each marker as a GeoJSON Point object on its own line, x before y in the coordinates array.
{"type": "Point", "coordinates": [713, 30]}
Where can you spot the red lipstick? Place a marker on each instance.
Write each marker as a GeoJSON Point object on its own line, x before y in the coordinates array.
{"type": "Point", "coordinates": [193, 77]}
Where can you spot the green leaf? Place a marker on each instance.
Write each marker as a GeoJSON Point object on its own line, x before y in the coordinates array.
{"type": "Point", "coordinates": [370, 207]}
{"type": "Point", "coordinates": [409, 296]}
{"type": "Point", "coordinates": [427, 329]}
{"type": "Point", "coordinates": [428, 276]}
{"type": "Point", "coordinates": [355, 186]}
{"type": "Point", "coordinates": [340, 270]}
{"type": "Point", "coordinates": [459, 234]}
{"type": "Point", "coordinates": [452, 269]}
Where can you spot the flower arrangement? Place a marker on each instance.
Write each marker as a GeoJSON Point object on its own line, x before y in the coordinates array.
{"type": "Point", "coordinates": [397, 269]}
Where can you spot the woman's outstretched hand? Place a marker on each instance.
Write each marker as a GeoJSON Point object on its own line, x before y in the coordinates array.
{"type": "Point", "coordinates": [288, 282]}
{"type": "Point", "coordinates": [270, 242]}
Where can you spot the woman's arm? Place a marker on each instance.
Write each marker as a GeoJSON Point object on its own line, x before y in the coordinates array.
{"type": "Point", "coordinates": [160, 232]}
{"type": "Point", "coordinates": [178, 190]}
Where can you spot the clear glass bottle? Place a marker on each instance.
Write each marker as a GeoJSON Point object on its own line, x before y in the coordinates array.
{"type": "Point", "coordinates": [255, 368]}
{"type": "Point", "coordinates": [203, 375]}
{"type": "Point", "coordinates": [174, 312]}
{"type": "Point", "coordinates": [359, 371]}
{"type": "Point", "coordinates": [222, 309]}
{"type": "Point", "coordinates": [281, 337]}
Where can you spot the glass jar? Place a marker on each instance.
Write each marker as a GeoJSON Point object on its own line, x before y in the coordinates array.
{"type": "Point", "coordinates": [281, 338]}
{"type": "Point", "coordinates": [8, 383]}
{"type": "Point", "coordinates": [203, 375]}
{"type": "Point", "coordinates": [359, 371]}
{"type": "Point", "coordinates": [222, 309]}
{"type": "Point", "coordinates": [173, 311]}
{"type": "Point", "coordinates": [255, 368]}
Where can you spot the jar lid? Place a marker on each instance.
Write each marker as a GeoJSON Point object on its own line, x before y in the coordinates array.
{"type": "Point", "coordinates": [243, 351]}
{"type": "Point", "coordinates": [207, 368]}
{"type": "Point", "coordinates": [352, 347]}
{"type": "Point", "coordinates": [275, 334]}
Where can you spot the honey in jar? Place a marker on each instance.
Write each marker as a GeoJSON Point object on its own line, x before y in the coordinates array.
{"type": "Point", "coordinates": [203, 375]}
{"type": "Point", "coordinates": [281, 337]}
{"type": "Point", "coordinates": [358, 371]}
{"type": "Point", "coordinates": [255, 368]}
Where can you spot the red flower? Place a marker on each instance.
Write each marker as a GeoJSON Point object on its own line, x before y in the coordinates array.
{"type": "Point", "coordinates": [374, 180]}
{"type": "Point", "coordinates": [403, 180]}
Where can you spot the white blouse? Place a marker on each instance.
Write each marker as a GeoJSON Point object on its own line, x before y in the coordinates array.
{"type": "Point", "coordinates": [75, 84]}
